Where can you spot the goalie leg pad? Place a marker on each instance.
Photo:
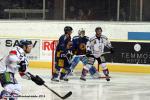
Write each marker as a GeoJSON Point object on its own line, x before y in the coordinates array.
{"type": "Point", "coordinates": [75, 61]}
{"type": "Point", "coordinates": [93, 72]}
{"type": "Point", "coordinates": [84, 60]}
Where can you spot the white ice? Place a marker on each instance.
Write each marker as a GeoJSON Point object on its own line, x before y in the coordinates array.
{"type": "Point", "coordinates": [123, 86]}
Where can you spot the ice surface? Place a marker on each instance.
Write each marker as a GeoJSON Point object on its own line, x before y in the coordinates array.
{"type": "Point", "coordinates": [123, 86]}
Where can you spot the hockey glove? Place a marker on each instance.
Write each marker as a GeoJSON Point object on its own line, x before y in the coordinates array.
{"type": "Point", "coordinates": [88, 53]}
{"type": "Point", "coordinates": [22, 67]}
{"type": "Point", "coordinates": [111, 50]}
{"type": "Point", "coordinates": [37, 80]}
{"type": "Point", "coordinates": [69, 55]}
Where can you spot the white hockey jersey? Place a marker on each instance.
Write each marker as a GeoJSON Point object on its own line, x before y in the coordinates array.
{"type": "Point", "coordinates": [96, 46]}
{"type": "Point", "coordinates": [10, 62]}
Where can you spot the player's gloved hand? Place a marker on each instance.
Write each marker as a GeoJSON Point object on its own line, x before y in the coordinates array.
{"type": "Point", "coordinates": [111, 50]}
{"type": "Point", "coordinates": [69, 54]}
{"type": "Point", "coordinates": [22, 67]}
{"type": "Point", "coordinates": [37, 80]}
{"type": "Point", "coordinates": [88, 53]}
{"type": "Point", "coordinates": [62, 55]}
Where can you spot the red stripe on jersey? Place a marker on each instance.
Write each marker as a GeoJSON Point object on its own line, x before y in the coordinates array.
{"type": "Point", "coordinates": [13, 52]}
{"type": "Point", "coordinates": [21, 73]}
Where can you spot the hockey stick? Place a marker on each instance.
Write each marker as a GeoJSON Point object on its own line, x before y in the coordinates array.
{"type": "Point", "coordinates": [64, 97]}
{"type": "Point", "coordinates": [106, 53]}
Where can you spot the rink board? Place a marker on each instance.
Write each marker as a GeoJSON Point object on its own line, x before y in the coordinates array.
{"type": "Point", "coordinates": [136, 68]}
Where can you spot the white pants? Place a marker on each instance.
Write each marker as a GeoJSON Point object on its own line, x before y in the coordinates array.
{"type": "Point", "coordinates": [13, 88]}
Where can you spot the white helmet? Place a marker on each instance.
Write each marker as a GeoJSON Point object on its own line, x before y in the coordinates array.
{"type": "Point", "coordinates": [81, 32]}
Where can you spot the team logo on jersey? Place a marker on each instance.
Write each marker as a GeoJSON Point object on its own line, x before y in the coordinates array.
{"type": "Point", "coordinates": [69, 45]}
{"type": "Point", "coordinates": [82, 46]}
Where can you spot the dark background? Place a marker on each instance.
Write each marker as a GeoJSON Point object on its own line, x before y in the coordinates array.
{"type": "Point", "coordinates": [125, 53]}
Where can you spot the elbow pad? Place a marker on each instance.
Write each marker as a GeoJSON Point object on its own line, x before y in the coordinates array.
{"type": "Point", "coordinates": [13, 58]}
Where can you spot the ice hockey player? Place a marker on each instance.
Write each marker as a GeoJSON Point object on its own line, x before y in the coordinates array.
{"type": "Point", "coordinates": [79, 50]}
{"type": "Point", "coordinates": [95, 51]}
{"type": "Point", "coordinates": [16, 61]}
{"type": "Point", "coordinates": [61, 55]}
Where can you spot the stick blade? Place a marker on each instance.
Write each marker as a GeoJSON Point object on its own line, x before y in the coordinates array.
{"type": "Point", "coordinates": [67, 95]}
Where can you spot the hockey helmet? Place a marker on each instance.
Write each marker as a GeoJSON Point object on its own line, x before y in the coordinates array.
{"type": "Point", "coordinates": [68, 29]}
{"type": "Point", "coordinates": [98, 28]}
{"type": "Point", "coordinates": [24, 42]}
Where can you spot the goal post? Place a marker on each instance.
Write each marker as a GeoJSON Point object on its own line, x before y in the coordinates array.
{"type": "Point", "coordinates": [54, 44]}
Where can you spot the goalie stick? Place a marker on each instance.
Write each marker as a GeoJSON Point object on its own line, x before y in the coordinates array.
{"type": "Point", "coordinates": [62, 97]}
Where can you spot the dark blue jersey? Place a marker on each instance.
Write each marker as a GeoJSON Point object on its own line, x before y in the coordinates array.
{"type": "Point", "coordinates": [62, 43]}
{"type": "Point", "coordinates": [79, 45]}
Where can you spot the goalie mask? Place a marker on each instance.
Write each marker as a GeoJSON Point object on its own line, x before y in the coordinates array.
{"type": "Point", "coordinates": [81, 32]}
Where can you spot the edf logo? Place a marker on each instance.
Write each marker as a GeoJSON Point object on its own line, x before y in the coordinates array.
{"type": "Point", "coordinates": [49, 45]}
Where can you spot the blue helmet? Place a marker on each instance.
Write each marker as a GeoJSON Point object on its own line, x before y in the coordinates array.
{"type": "Point", "coordinates": [24, 42]}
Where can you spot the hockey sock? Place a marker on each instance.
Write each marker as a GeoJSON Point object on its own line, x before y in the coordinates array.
{"type": "Point", "coordinates": [106, 72]}
{"type": "Point", "coordinates": [55, 75]}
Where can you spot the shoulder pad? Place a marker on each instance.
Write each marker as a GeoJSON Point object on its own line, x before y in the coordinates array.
{"type": "Point", "coordinates": [103, 36]}
{"type": "Point", "coordinates": [93, 38]}
{"type": "Point", "coordinates": [75, 37]}
{"type": "Point", "coordinates": [62, 37]}
{"type": "Point", "coordinates": [86, 37]}
{"type": "Point", "coordinates": [20, 50]}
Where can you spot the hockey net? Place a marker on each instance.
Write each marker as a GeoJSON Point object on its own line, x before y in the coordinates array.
{"type": "Point", "coordinates": [77, 71]}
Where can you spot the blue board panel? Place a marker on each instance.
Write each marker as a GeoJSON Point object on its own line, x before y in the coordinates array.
{"type": "Point", "coordinates": [138, 35]}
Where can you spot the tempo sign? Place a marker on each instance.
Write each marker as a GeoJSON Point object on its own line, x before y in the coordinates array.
{"type": "Point", "coordinates": [130, 52]}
